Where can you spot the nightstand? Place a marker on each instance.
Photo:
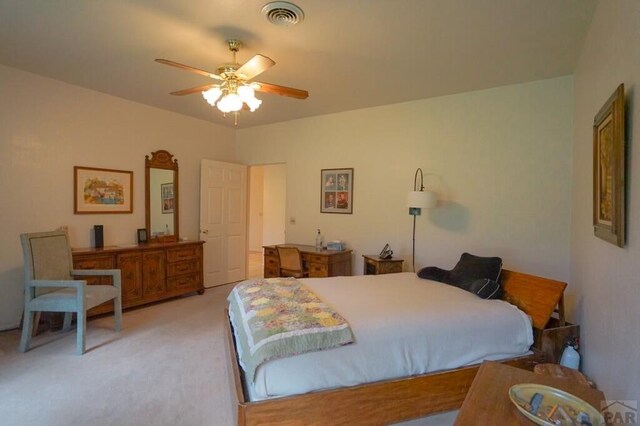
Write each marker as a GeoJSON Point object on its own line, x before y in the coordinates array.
{"type": "Point", "coordinates": [373, 265]}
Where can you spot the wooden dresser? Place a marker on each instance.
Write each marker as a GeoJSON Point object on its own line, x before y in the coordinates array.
{"type": "Point", "coordinates": [150, 272]}
{"type": "Point", "coordinates": [320, 263]}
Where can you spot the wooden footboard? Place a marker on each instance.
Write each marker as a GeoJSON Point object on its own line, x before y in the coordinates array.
{"type": "Point", "coordinates": [378, 403]}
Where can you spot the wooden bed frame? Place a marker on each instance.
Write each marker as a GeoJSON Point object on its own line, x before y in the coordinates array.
{"type": "Point", "coordinates": [394, 400]}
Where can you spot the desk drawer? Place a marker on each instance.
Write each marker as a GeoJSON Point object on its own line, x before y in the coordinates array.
{"type": "Point", "coordinates": [315, 258]}
{"type": "Point", "coordinates": [271, 262]}
{"type": "Point", "coordinates": [271, 272]}
{"type": "Point", "coordinates": [270, 251]}
{"type": "Point", "coordinates": [318, 270]}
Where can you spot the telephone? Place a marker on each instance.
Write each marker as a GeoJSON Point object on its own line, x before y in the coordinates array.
{"type": "Point", "coordinates": [386, 252]}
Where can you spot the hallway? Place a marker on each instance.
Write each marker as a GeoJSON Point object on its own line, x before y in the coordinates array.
{"type": "Point", "coordinates": [256, 269]}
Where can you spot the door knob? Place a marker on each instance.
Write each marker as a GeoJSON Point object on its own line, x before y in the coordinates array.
{"type": "Point", "coordinates": [204, 231]}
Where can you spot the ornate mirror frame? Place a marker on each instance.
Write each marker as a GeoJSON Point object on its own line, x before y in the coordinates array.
{"type": "Point", "coordinates": [162, 160]}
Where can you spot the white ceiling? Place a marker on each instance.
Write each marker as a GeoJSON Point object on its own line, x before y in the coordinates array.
{"type": "Point", "coordinates": [347, 54]}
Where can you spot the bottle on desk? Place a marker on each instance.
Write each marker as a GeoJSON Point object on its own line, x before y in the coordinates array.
{"type": "Point", "coordinates": [319, 240]}
{"type": "Point", "coordinates": [570, 356]}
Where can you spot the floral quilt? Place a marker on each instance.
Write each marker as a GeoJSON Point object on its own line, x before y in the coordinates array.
{"type": "Point", "coordinates": [280, 317]}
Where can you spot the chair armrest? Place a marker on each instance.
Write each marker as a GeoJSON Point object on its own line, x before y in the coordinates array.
{"type": "Point", "coordinates": [56, 283]}
{"type": "Point", "coordinates": [115, 273]}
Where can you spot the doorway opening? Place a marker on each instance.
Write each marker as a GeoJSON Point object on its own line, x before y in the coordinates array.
{"type": "Point", "coordinates": [266, 213]}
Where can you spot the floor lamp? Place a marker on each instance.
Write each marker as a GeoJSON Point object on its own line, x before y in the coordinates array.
{"type": "Point", "coordinates": [417, 200]}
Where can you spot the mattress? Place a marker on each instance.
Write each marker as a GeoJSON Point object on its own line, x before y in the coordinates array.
{"type": "Point", "coordinates": [403, 326]}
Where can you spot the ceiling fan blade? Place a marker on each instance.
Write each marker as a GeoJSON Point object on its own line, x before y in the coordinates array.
{"type": "Point", "coordinates": [281, 90]}
{"type": "Point", "coordinates": [192, 90]}
{"type": "Point", "coordinates": [190, 69]}
{"type": "Point", "coordinates": [254, 66]}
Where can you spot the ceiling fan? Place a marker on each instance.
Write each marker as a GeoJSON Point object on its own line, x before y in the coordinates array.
{"type": "Point", "coordinates": [234, 90]}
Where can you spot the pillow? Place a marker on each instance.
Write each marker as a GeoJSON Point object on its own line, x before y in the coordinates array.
{"type": "Point", "coordinates": [432, 273]}
{"type": "Point", "coordinates": [470, 268]}
{"type": "Point", "coordinates": [484, 288]}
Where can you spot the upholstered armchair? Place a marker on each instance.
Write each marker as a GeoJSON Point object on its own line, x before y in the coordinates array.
{"type": "Point", "coordinates": [49, 285]}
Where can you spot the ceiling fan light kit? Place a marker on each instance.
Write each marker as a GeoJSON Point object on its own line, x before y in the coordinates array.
{"type": "Point", "coordinates": [235, 90]}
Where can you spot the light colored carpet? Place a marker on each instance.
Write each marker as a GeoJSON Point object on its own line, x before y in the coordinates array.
{"type": "Point", "coordinates": [166, 367]}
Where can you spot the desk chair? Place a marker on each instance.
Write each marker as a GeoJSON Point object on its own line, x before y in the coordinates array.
{"type": "Point", "coordinates": [291, 262]}
{"type": "Point", "coordinates": [49, 285]}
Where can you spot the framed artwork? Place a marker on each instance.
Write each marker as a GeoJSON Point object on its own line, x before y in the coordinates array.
{"type": "Point", "coordinates": [102, 190]}
{"type": "Point", "coordinates": [166, 197]}
{"type": "Point", "coordinates": [609, 170]}
{"type": "Point", "coordinates": [336, 191]}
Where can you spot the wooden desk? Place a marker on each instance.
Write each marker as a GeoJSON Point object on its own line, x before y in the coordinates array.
{"type": "Point", "coordinates": [488, 403]}
{"type": "Point", "coordinates": [321, 263]}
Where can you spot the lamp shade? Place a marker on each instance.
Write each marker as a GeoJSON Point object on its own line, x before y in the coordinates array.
{"type": "Point", "coordinates": [422, 199]}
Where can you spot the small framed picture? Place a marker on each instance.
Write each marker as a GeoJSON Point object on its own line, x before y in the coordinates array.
{"type": "Point", "coordinates": [142, 236]}
{"type": "Point", "coordinates": [336, 192]}
{"type": "Point", "coordinates": [167, 197]}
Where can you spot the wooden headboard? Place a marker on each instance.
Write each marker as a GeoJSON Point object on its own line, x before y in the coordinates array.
{"type": "Point", "coordinates": [536, 296]}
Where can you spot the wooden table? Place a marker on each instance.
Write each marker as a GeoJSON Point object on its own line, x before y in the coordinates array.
{"type": "Point", "coordinates": [488, 403]}
{"type": "Point", "coordinates": [373, 265]}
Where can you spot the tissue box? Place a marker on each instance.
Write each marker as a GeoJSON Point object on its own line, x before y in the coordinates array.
{"type": "Point", "coordinates": [335, 245]}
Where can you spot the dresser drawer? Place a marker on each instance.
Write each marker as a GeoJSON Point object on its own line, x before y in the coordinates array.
{"type": "Point", "coordinates": [270, 251]}
{"type": "Point", "coordinates": [184, 281]}
{"type": "Point", "coordinates": [183, 267]}
{"type": "Point", "coordinates": [93, 262]}
{"type": "Point", "coordinates": [183, 253]}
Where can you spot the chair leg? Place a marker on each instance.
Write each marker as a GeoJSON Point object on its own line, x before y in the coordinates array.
{"type": "Point", "coordinates": [82, 327]}
{"type": "Point", "coordinates": [66, 325]}
{"type": "Point", "coordinates": [117, 311]}
{"type": "Point", "coordinates": [27, 327]}
{"type": "Point", "coordinates": [36, 324]}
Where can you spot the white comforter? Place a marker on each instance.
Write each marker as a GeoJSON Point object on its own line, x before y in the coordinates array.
{"type": "Point", "coordinates": [403, 325]}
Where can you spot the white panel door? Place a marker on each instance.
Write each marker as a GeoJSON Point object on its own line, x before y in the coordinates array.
{"type": "Point", "coordinates": [223, 223]}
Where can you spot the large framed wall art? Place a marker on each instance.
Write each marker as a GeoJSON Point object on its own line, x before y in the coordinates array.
{"type": "Point", "coordinates": [609, 170]}
{"type": "Point", "coordinates": [102, 190]}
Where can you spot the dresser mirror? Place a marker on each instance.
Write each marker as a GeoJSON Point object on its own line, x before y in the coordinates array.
{"type": "Point", "coordinates": [161, 197]}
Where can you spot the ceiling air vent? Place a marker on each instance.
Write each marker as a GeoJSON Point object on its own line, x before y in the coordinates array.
{"type": "Point", "coordinates": [283, 13]}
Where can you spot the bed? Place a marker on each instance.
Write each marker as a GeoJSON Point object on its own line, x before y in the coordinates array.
{"type": "Point", "coordinates": [387, 399]}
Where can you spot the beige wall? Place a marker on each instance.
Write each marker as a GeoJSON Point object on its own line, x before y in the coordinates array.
{"type": "Point", "coordinates": [256, 190]}
{"type": "Point", "coordinates": [606, 279]}
{"type": "Point", "coordinates": [275, 199]}
{"type": "Point", "coordinates": [499, 159]}
{"type": "Point", "coordinates": [47, 127]}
